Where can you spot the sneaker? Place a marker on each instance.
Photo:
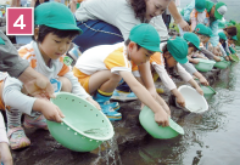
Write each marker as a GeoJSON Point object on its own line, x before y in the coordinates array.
{"type": "Point", "coordinates": [111, 114]}
{"type": "Point", "coordinates": [123, 96]}
{"type": "Point", "coordinates": [17, 138]}
{"type": "Point", "coordinates": [37, 122]}
{"type": "Point", "coordinates": [113, 105]}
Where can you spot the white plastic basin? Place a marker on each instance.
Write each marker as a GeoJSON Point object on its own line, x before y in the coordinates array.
{"type": "Point", "coordinates": [194, 102]}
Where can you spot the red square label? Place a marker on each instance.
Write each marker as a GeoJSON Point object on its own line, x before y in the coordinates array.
{"type": "Point", "coordinates": [19, 20]}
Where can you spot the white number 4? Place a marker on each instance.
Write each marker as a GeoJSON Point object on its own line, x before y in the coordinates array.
{"type": "Point", "coordinates": [17, 24]}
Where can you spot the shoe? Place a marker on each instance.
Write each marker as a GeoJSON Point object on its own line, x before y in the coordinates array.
{"type": "Point", "coordinates": [17, 138]}
{"type": "Point", "coordinates": [123, 96]}
{"type": "Point", "coordinates": [113, 105]}
{"type": "Point", "coordinates": [107, 107]}
{"type": "Point", "coordinates": [37, 122]}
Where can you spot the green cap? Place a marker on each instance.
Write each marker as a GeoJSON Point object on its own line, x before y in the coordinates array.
{"type": "Point", "coordinates": [222, 35]}
{"type": "Point", "coordinates": [55, 15]}
{"type": "Point", "coordinates": [192, 38]}
{"type": "Point", "coordinates": [200, 5]}
{"type": "Point", "coordinates": [178, 48]}
{"type": "Point", "coordinates": [233, 22]}
{"type": "Point", "coordinates": [234, 38]}
{"type": "Point", "coordinates": [146, 36]}
{"type": "Point", "coordinates": [204, 30]}
{"type": "Point", "coordinates": [220, 10]}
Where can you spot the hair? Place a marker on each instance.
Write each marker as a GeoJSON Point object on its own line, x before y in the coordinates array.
{"type": "Point", "coordinates": [231, 30]}
{"type": "Point", "coordinates": [128, 41]}
{"type": "Point", "coordinates": [191, 45]}
{"type": "Point", "coordinates": [165, 50]}
{"type": "Point", "coordinates": [45, 30]}
{"type": "Point", "coordinates": [139, 8]}
{"type": "Point", "coordinates": [38, 3]}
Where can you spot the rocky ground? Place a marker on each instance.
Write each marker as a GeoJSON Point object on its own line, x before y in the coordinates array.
{"type": "Point", "coordinates": [45, 150]}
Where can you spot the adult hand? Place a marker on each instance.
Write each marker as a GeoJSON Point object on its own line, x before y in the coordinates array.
{"type": "Point", "coordinates": [89, 99]}
{"type": "Point", "coordinates": [48, 109]}
{"type": "Point", "coordinates": [184, 25]}
{"type": "Point", "coordinates": [5, 154]}
{"type": "Point", "coordinates": [36, 84]}
{"type": "Point", "coordinates": [162, 118]}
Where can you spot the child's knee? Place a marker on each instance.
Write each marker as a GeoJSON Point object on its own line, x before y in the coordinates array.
{"type": "Point", "coordinates": [66, 84]}
{"type": "Point", "coordinates": [116, 78]}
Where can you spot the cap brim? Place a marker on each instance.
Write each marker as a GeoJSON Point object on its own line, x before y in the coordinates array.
{"type": "Point", "coordinates": [182, 60]}
{"type": "Point", "coordinates": [65, 27]}
{"type": "Point", "coordinates": [152, 48]}
{"type": "Point", "coordinates": [200, 10]}
{"type": "Point", "coordinates": [217, 15]}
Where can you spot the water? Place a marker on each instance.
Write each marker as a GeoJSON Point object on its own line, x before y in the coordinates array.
{"type": "Point", "coordinates": [97, 132]}
{"type": "Point", "coordinates": [211, 138]}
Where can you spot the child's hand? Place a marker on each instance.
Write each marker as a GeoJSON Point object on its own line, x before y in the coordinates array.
{"type": "Point", "coordinates": [203, 81]}
{"type": "Point", "coordinates": [48, 109]}
{"type": "Point", "coordinates": [89, 99]}
{"type": "Point", "coordinates": [180, 100]}
{"type": "Point", "coordinates": [227, 58]}
{"type": "Point", "coordinates": [5, 154]}
{"type": "Point", "coordinates": [199, 90]}
{"type": "Point", "coordinates": [195, 61]}
{"type": "Point", "coordinates": [161, 118]}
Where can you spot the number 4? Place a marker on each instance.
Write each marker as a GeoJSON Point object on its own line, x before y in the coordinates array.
{"type": "Point", "coordinates": [21, 25]}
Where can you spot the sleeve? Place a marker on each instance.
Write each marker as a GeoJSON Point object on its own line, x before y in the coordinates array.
{"type": "Point", "coordinates": [9, 59]}
{"type": "Point", "coordinates": [3, 134]}
{"type": "Point", "coordinates": [13, 96]}
{"type": "Point", "coordinates": [207, 53]}
{"type": "Point", "coordinates": [215, 38]}
{"type": "Point", "coordinates": [222, 49]}
{"type": "Point", "coordinates": [183, 73]}
{"type": "Point", "coordinates": [188, 10]}
{"type": "Point", "coordinates": [227, 47]}
{"type": "Point", "coordinates": [189, 68]}
{"type": "Point", "coordinates": [117, 62]}
{"type": "Point", "coordinates": [76, 87]}
{"type": "Point", "coordinates": [166, 80]}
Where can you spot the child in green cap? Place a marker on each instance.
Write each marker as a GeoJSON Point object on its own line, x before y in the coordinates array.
{"type": "Point", "coordinates": [175, 53]}
{"type": "Point", "coordinates": [101, 68]}
{"type": "Point", "coordinates": [223, 40]}
{"type": "Point", "coordinates": [53, 35]}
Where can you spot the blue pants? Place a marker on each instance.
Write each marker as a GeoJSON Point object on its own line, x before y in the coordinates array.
{"type": "Point", "coordinates": [96, 32]}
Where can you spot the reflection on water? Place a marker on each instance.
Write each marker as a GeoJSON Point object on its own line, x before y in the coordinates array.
{"type": "Point", "coordinates": [210, 138]}
{"type": "Point", "coordinates": [97, 132]}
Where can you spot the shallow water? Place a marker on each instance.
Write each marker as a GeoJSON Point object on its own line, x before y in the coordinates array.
{"type": "Point", "coordinates": [210, 138]}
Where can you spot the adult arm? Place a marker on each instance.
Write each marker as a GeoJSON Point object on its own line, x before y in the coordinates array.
{"type": "Point", "coordinates": [187, 11]}
{"type": "Point", "coordinates": [177, 17]}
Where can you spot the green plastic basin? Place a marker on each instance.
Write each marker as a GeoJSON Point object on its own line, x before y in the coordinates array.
{"type": "Point", "coordinates": [222, 64]}
{"type": "Point", "coordinates": [234, 57]}
{"type": "Point", "coordinates": [208, 91]}
{"type": "Point", "coordinates": [147, 121]}
{"type": "Point", "coordinates": [204, 65]}
{"type": "Point", "coordinates": [84, 127]}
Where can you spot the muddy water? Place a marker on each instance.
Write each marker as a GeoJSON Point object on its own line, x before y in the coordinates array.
{"type": "Point", "coordinates": [210, 138]}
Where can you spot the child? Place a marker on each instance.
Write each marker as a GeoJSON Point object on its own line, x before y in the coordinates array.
{"type": "Point", "coordinates": [100, 69]}
{"type": "Point", "coordinates": [204, 33]}
{"type": "Point", "coordinates": [53, 36]}
{"type": "Point", "coordinates": [175, 52]}
{"type": "Point", "coordinates": [199, 14]}
{"type": "Point", "coordinates": [231, 41]}
{"type": "Point", "coordinates": [223, 41]}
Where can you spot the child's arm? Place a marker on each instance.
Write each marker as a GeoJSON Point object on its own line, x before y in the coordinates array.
{"type": "Point", "coordinates": [192, 60]}
{"type": "Point", "coordinates": [196, 86]}
{"type": "Point", "coordinates": [161, 117]}
{"type": "Point", "coordinates": [13, 97]}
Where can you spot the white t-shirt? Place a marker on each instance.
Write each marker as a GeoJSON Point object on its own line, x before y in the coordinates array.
{"type": "Point", "coordinates": [118, 13]}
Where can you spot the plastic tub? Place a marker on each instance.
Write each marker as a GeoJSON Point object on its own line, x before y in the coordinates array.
{"type": "Point", "coordinates": [223, 64]}
{"type": "Point", "coordinates": [204, 65]}
{"type": "Point", "coordinates": [208, 91]}
{"type": "Point", "coordinates": [84, 127]}
{"type": "Point", "coordinates": [234, 57]}
{"type": "Point", "coordinates": [194, 102]}
{"type": "Point", "coordinates": [147, 121]}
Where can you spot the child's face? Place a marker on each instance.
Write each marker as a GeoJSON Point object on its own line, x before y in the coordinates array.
{"type": "Point", "coordinates": [191, 50]}
{"type": "Point", "coordinates": [54, 47]}
{"type": "Point", "coordinates": [230, 41]}
{"type": "Point", "coordinates": [203, 38]}
{"type": "Point", "coordinates": [171, 62]}
{"type": "Point", "coordinates": [138, 56]}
